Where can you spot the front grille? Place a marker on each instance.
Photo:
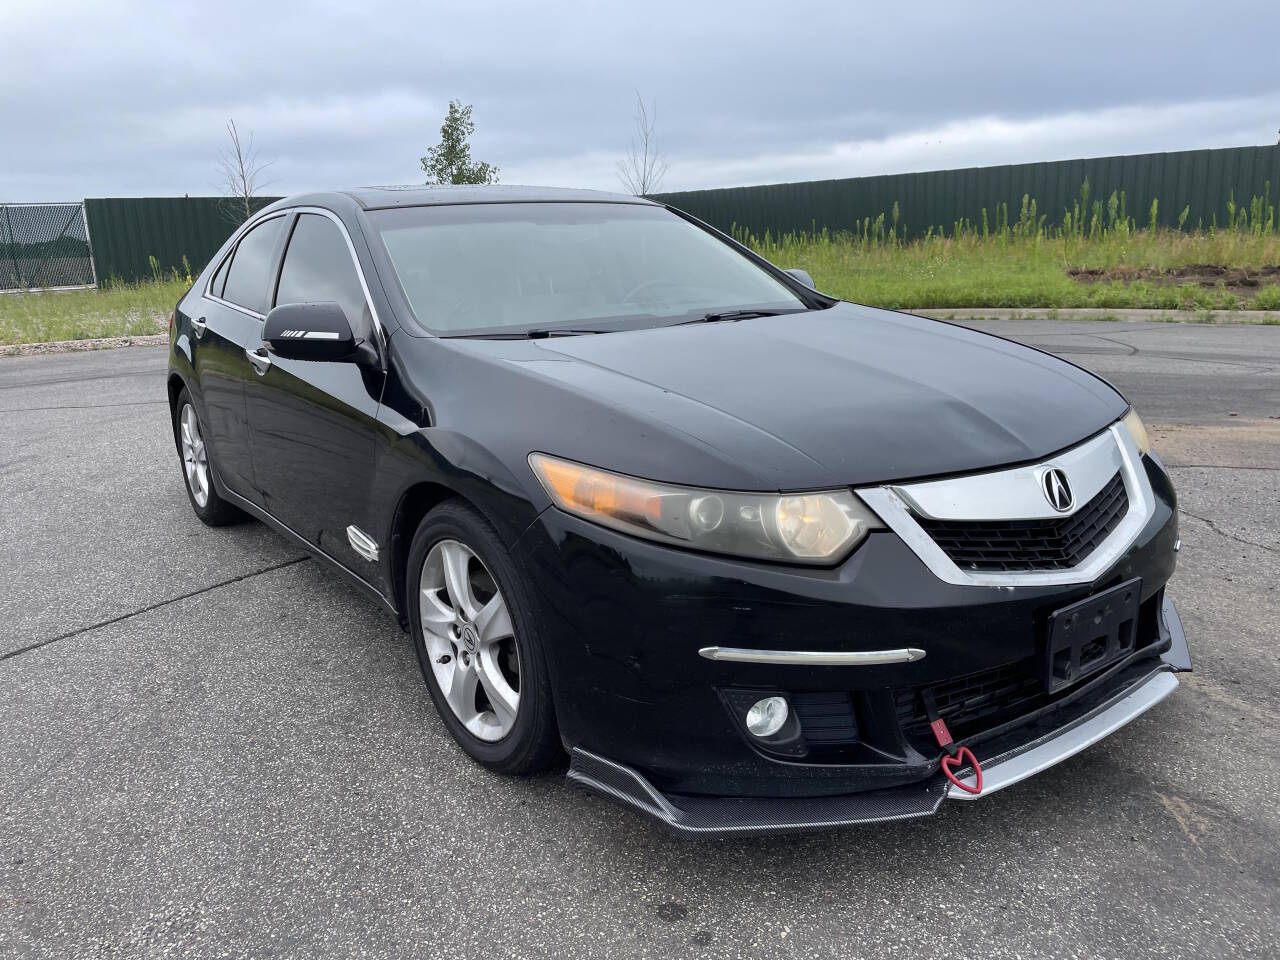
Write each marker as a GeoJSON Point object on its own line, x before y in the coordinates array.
{"type": "Point", "coordinates": [977, 702]}
{"type": "Point", "coordinates": [1012, 545]}
{"type": "Point", "coordinates": [974, 702]}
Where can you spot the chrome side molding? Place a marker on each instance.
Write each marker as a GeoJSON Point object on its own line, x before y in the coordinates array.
{"type": "Point", "coordinates": [362, 543]}
{"type": "Point", "coordinates": [814, 658]}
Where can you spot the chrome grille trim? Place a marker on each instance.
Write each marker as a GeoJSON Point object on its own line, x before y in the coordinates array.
{"type": "Point", "coordinates": [1012, 495]}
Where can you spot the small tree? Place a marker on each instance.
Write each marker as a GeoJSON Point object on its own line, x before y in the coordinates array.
{"type": "Point", "coordinates": [644, 167]}
{"type": "Point", "coordinates": [240, 175]}
{"type": "Point", "coordinates": [450, 161]}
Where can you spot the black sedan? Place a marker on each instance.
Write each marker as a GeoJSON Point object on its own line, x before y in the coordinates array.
{"type": "Point", "coordinates": [756, 559]}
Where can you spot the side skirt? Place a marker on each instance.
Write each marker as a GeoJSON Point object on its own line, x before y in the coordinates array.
{"type": "Point", "coordinates": [289, 534]}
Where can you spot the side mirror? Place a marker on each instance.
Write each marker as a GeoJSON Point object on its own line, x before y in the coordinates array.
{"type": "Point", "coordinates": [312, 331]}
{"type": "Point", "coordinates": [803, 277]}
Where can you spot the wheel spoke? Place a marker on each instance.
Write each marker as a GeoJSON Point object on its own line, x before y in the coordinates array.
{"type": "Point", "coordinates": [437, 616]}
{"type": "Point", "coordinates": [493, 622]}
{"type": "Point", "coordinates": [461, 692]}
{"type": "Point", "coordinates": [457, 559]}
{"type": "Point", "coordinates": [503, 699]}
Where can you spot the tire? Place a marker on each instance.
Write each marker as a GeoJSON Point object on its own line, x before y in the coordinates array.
{"type": "Point", "coordinates": [466, 652]}
{"type": "Point", "coordinates": [196, 461]}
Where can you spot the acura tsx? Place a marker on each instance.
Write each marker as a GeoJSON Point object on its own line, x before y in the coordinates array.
{"type": "Point", "coordinates": [756, 559]}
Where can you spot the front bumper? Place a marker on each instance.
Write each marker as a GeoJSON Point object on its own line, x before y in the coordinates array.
{"type": "Point", "coordinates": [1033, 749]}
{"type": "Point", "coordinates": [646, 715]}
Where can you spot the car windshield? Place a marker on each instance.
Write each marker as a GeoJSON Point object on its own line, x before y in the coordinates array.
{"type": "Point", "coordinates": [512, 268]}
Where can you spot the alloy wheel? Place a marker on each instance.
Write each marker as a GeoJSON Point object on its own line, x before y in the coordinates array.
{"type": "Point", "coordinates": [195, 461]}
{"type": "Point", "coordinates": [470, 640]}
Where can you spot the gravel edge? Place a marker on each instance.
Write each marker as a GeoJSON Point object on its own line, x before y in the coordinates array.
{"type": "Point", "coordinates": [1254, 317]}
{"type": "Point", "coordinates": [72, 346]}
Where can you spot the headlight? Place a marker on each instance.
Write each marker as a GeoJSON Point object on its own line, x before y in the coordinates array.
{"type": "Point", "coordinates": [1138, 431]}
{"type": "Point", "coordinates": [796, 528]}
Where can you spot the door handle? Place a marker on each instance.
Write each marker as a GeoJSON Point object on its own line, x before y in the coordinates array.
{"type": "Point", "coordinates": [260, 359]}
{"type": "Point", "coordinates": [199, 326]}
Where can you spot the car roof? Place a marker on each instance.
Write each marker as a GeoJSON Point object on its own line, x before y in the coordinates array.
{"type": "Point", "coordinates": [374, 198]}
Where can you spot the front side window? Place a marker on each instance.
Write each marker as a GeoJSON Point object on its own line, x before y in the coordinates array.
{"type": "Point", "coordinates": [318, 267]}
{"type": "Point", "coordinates": [249, 273]}
{"type": "Point", "coordinates": [499, 268]}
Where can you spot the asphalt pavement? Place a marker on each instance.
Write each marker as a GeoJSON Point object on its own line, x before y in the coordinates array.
{"type": "Point", "coordinates": [210, 746]}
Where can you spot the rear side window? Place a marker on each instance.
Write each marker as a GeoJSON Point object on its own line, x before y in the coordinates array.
{"type": "Point", "coordinates": [248, 275]}
{"type": "Point", "coordinates": [318, 267]}
{"type": "Point", "coordinates": [219, 278]}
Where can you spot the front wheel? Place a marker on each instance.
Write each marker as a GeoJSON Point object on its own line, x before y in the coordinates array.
{"type": "Point", "coordinates": [197, 467]}
{"type": "Point", "coordinates": [476, 634]}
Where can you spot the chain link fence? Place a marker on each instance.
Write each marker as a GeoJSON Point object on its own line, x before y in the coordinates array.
{"type": "Point", "coordinates": [44, 246]}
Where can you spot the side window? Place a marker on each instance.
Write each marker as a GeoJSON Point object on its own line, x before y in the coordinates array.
{"type": "Point", "coordinates": [248, 275]}
{"type": "Point", "coordinates": [219, 278]}
{"type": "Point", "coordinates": [317, 267]}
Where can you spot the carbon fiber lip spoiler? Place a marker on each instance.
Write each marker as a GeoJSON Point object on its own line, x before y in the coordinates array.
{"type": "Point", "coordinates": [731, 816]}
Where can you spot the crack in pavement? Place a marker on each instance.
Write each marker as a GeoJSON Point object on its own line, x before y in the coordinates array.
{"type": "Point", "coordinates": [1136, 351]}
{"type": "Point", "coordinates": [147, 609]}
{"type": "Point", "coordinates": [158, 375]}
{"type": "Point", "coordinates": [1230, 536]}
{"type": "Point", "coordinates": [1217, 466]}
{"type": "Point", "coordinates": [86, 406]}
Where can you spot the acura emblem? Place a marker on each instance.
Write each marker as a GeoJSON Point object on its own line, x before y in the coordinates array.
{"type": "Point", "coordinates": [1056, 490]}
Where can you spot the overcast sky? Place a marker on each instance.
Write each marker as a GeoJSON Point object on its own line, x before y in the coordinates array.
{"type": "Point", "coordinates": [112, 98]}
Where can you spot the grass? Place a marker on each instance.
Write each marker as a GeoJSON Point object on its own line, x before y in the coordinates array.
{"type": "Point", "coordinates": [1026, 272]}
{"type": "Point", "coordinates": [117, 311]}
{"type": "Point", "coordinates": [1001, 262]}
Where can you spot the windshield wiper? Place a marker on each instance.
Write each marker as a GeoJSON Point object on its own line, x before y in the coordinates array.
{"type": "Point", "coordinates": [724, 316]}
{"type": "Point", "coordinates": [543, 332]}
{"type": "Point", "coordinates": [538, 333]}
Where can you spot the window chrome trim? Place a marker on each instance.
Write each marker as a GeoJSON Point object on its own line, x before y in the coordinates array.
{"type": "Point", "coordinates": [351, 251]}
{"type": "Point", "coordinates": [355, 260]}
{"type": "Point", "coordinates": [978, 496]}
{"type": "Point", "coordinates": [245, 228]}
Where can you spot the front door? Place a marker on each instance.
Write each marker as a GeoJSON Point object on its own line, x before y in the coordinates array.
{"type": "Point", "coordinates": [225, 320]}
{"type": "Point", "coordinates": [312, 422]}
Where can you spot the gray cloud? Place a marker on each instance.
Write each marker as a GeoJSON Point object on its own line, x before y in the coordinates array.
{"type": "Point", "coordinates": [118, 98]}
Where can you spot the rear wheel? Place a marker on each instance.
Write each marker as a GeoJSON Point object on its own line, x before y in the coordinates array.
{"type": "Point", "coordinates": [476, 634]}
{"type": "Point", "coordinates": [197, 469]}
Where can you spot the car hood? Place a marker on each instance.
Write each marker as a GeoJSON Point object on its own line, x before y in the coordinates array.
{"type": "Point", "coordinates": [845, 396]}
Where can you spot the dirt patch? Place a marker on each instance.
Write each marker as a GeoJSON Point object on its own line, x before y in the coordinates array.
{"type": "Point", "coordinates": [1242, 281]}
{"type": "Point", "coordinates": [1237, 443]}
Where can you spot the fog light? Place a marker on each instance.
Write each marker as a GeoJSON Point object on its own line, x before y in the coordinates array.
{"type": "Point", "coordinates": [766, 717]}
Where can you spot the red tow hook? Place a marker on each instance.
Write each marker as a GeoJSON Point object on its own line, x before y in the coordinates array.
{"type": "Point", "coordinates": [953, 757]}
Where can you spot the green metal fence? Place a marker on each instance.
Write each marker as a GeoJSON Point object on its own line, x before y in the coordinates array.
{"type": "Point", "coordinates": [137, 238]}
{"type": "Point", "coordinates": [1201, 182]}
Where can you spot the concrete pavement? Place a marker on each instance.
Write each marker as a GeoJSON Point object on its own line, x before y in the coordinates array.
{"type": "Point", "coordinates": [213, 747]}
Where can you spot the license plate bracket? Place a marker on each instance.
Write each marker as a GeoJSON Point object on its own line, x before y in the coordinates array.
{"type": "Point", "coordinates": [1091, 634]}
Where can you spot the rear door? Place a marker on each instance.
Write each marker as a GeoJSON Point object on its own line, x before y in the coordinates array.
{"type": "Point", "coordinates": [225, 320]}
{"type": "Point", "coordinates": [312, 422]}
